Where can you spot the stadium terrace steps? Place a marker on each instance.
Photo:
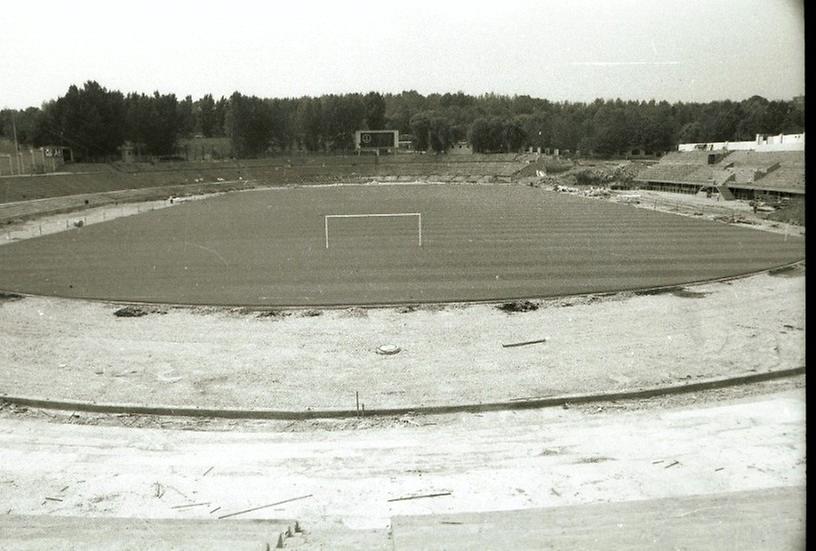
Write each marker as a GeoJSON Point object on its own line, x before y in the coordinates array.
{"type": "Point", "coordinates": [117, 177]}
{"type": "Point", "coordinates": [30, 532]}
{"type": "Point", "coordinates": [782, 171]}
{"type": "Point", "coordinates": [668, 172]}
{"type": "Point", "coordinates": [694, 157]}
{"type": "Point", "coordinates": [772, 518]}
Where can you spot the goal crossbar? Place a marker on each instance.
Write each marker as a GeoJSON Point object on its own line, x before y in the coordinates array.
{"type": "Point", "coordinates": [375, 215]}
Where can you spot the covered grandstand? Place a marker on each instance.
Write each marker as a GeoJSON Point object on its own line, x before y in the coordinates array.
{"type": "Point", "coordinates": [742, 174]}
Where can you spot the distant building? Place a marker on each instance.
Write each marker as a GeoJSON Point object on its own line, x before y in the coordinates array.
{"type": "Point", "coordinates": [461, 148]}
{"type": "Point", "coordinates": [762, 142]}
{"type": "Point", "coordinates": [406, 143]}
{"type": "Point", "coordinates": [128, 152]}
{"type": "Point", "coordinates": [60, 153]}
{"type": "Point", "coordinates": [15, 160]}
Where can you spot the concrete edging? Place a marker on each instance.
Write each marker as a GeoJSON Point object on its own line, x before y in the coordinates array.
{"type": "Point", "coordinates": [295, 415]}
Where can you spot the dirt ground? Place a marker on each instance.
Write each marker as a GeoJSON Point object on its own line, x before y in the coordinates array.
{"type": "Point", "coordinates": [351, 480]}
{"type": "Point", "coordinates": [66, 349]}
{"type": "Point", "coordinates": [698, 205]}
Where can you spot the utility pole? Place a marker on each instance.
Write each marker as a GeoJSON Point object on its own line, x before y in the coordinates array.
{"type": "Point", "coordinates": [16, 146]}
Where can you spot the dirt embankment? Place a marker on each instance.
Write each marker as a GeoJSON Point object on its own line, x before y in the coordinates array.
{"type": "Point", "coordinates": [294, 360]}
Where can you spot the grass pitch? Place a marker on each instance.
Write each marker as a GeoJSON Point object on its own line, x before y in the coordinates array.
{"type": "Point", "coordinates": [267, 248]}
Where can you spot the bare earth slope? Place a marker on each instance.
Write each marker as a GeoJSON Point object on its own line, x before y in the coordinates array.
{"type": "Point", "coordinates": [67, 349]}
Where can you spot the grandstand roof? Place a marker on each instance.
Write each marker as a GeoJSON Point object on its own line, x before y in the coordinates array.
{"type": "Point", "coordinates": [782, 171]}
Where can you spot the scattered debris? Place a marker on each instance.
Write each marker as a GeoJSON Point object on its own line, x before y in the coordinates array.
{"type": "Point", "coordinates": [158, 490]}
{"type": "Point", "coordinates": [312, 313]}
{"type": "Point", "coordinates": [262, 507]}
{"type": "Point", "coordinates": [190, 505]}
{"type": "Point", "coordinates": [525, 343]}
{"type": "Point", "coordinates": [10, 297]}
{"type": "Point", "coordinates": [672, 464]}
{"type": "Point", "coordinates": [79, 223]}
{"type": "Point", "coordinates": [686, 293]}
{"type": "Point", "coordinates": [564, 189]}
{"type": "Point", "coordinates": [130, 312]}
{"type": "Point", "coordinates": [388, 349]}
{"type": "Point", "coordinates": [167, 376]}
{"type": "Point", "coordinates": [787, 271]}
{"type": "Point", "coordinates": [593, 459]}
{"type": "Point", "coordinates": [629, 198]}
{"type": "Point", "coordinates": [356, 312]}
{"type": "Point", "coordinates": [53, 499]}
{"type": "Point", "coordinates": [406, 498]}
{"type": "Point", "coordinates": [518, 306]}
{"type": "Point", "coordinates": [657, 291]}
{"type": "Point", "coordinates": [207, 471]}
{"type": "Point", "coordinates": [274, 314]}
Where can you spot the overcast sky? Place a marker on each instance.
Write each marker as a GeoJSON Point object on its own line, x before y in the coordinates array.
{"type": "Point", "coordinates": [689, 50]}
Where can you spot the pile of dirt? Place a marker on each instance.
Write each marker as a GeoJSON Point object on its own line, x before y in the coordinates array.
{"type": "Point", "coordinates": [627, 171]}
{"type": "Point", "coordinates": [130, 312]}
{"type": "Point", "coordinates": [594, 176]}
{"type": "Point", "coordinates": [603, 175]}
{"type": "Point", "coordinates": [735, 219]}
{"type": "Point", "coordinates": [787, 271]}
{"type": "Point", "coordinates": [273, 314]}
{"type": "Point", "coordinates": [518, 306]}
{"type": "Point", "coordinates": [9, 297]}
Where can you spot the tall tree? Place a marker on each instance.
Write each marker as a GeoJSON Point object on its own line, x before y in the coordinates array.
{"type": "Point", "coordinates": [374, 111]}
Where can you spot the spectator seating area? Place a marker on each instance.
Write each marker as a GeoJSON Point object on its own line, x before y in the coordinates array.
{"type": "Point", "coordinates": [745, 173]}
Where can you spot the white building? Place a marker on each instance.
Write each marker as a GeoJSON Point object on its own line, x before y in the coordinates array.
{"type": "Point", "coordinates": [763, 142]}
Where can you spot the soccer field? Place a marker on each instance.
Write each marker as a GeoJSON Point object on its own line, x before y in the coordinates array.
{"type": "Point", "coordinates": [268, 248]}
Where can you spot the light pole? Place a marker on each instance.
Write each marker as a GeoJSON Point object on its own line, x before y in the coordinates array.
{"type": "Point", "coordinates": [16, 146]}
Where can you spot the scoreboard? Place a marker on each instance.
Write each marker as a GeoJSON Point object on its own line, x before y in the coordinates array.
{"type": "Point", "coordinates": [376, 139]}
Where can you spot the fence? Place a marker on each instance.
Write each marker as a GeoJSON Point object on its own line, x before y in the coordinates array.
{"type": "Point", "coordinates": [73, 221]}
{"type": "Point", "coordinates": [33, 161]}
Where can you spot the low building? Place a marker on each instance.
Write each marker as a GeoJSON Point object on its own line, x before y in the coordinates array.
{"type": "Point", "coordinates": [461, 148]}
{"type": "Point", "coordinates": [762, 142]}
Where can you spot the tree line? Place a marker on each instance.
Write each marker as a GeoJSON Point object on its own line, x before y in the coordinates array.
{"type": "Point", "coordinates": [96, 121]}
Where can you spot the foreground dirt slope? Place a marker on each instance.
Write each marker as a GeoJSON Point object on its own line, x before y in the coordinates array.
{"type": "Point", "coordinates": [55, 533]}
{"type": "Point", "coordinates": [64, 349]}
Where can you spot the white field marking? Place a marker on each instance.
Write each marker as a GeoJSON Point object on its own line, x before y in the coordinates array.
{"type": "Point", "coordinates": [375, 215]}
{"type": "Point", "coordinates": [221, 258]}
{"type": "Point", "coordinates": [284, 187]}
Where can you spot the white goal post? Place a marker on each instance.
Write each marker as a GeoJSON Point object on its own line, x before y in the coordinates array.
{"type": "Point", "coordinates": [384, 215]}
